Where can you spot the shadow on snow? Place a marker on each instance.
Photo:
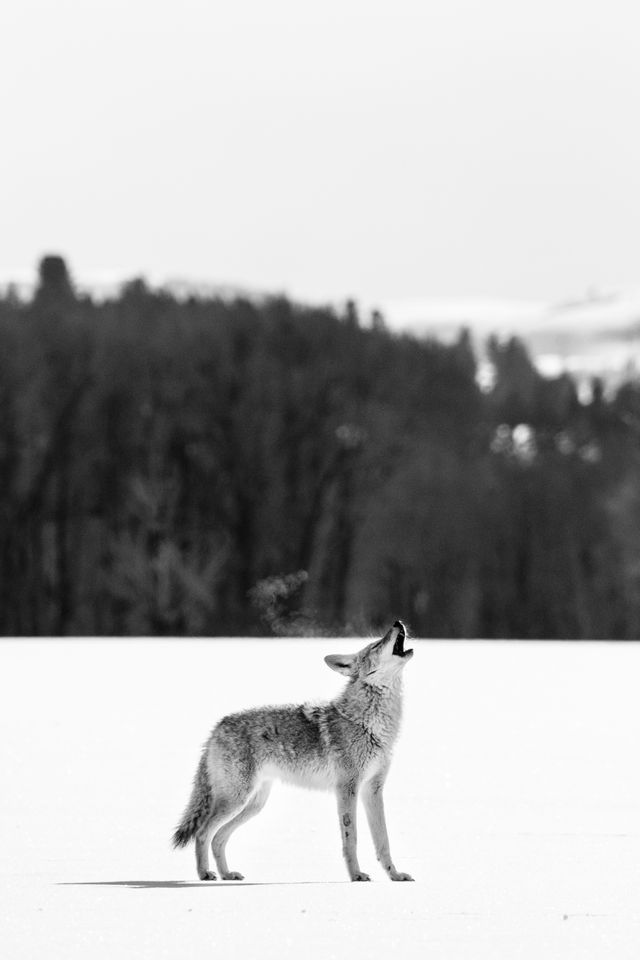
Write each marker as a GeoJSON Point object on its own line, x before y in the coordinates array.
{"type": "Point", "coordinates": [184, 884]}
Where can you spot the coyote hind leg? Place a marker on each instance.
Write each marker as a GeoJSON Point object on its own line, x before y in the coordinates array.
{"type": "Point", "coordinates": [223, 810]}
{"type": "Point", "coordinates": [218, 845]}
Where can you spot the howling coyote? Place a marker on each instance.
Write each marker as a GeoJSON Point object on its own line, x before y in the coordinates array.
{"type": "Point", "coordinates": [344, 745]}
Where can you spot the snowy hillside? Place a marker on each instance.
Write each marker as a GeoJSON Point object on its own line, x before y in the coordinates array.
{"type": "Point", "coordinates": [514, 800]}
{"type": "Point", "coordinates": [598, 335]}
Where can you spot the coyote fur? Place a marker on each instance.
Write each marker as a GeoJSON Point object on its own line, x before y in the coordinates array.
{"type": "Point", "coordinates": [344, 745]}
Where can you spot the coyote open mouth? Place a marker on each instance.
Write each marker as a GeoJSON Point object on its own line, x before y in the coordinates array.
{"type": "Point", "coordinates": [398, 647]}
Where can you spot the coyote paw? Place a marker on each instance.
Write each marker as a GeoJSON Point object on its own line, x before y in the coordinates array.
{"type": "Point", "coordinates": [208, 875]}
{"type": "Point", "coordinates": [361, 876]}
{"type": "Point", "coordinates": [232, 875]}
{"type": "Point", "coordinates": [401, 876]}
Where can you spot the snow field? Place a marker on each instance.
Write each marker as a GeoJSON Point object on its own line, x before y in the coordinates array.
{"type": "Point", "coordinates": [513, 799]}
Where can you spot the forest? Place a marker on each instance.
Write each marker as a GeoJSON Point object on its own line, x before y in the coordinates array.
{"type": "Point", "coordinates": [202, 465]}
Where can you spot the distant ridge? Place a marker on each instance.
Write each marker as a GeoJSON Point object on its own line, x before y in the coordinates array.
{"type": "Point", "coordinates": [594, 335]}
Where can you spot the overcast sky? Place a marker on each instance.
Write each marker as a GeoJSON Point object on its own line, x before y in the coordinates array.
{"type": "Point", "coordinates": [385, 150]}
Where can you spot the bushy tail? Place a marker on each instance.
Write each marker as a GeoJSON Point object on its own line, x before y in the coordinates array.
{"type": "Point", "coordinates": [198, 807]}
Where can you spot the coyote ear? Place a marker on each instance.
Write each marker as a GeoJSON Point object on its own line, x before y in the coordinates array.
{"type": "Point", "coordinates": [340, 663]}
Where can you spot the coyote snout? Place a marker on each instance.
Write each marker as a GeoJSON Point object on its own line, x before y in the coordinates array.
{"type": "Point", "coordinates": [344, 745]}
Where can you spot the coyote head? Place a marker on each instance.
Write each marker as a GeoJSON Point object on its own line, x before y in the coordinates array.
{"type": "Point", "coordinates": [378, 662]}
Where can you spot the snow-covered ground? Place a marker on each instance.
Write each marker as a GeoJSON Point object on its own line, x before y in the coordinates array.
{"type": "Point", "coordinates": [514, 800]}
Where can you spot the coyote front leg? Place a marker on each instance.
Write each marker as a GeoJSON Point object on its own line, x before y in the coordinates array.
{"type": "Point", "coordinates": [347, 797]}
{"type": "Point", "coordinates": [374, 807]}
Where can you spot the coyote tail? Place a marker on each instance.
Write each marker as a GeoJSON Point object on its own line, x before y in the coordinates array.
{"type": "Point", "coordinates": [197, 808]}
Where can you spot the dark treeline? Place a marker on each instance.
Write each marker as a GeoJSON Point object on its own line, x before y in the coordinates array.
{"type": "Point", "coordinates": [226, 466]}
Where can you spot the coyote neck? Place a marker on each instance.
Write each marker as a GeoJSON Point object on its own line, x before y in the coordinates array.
{"type": "Point", "coordinates": [376, 708]}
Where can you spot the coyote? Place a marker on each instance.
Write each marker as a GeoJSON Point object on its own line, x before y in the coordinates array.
{"type": "Point", "coordinates": [343, 745]}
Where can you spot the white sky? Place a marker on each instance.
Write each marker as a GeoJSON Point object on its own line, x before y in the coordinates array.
{"type": "Point", "coordinates": [386, 150]}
